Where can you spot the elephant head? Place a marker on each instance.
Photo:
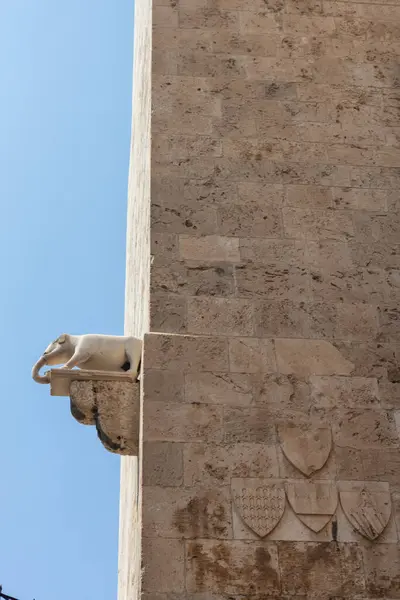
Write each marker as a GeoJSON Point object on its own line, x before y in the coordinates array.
{"type": "Point", "coordinates": [57, 353]}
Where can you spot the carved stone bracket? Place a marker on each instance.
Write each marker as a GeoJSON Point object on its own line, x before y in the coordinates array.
{"type": "Point", "coordinates": [108, 400]}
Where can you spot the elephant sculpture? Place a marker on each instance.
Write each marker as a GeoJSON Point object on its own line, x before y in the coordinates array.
{"type": "Point", "coordinates": [94, 352]}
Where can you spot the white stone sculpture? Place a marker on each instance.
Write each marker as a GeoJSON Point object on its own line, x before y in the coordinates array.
{"type": "Point", "coordinates": [94, 352]}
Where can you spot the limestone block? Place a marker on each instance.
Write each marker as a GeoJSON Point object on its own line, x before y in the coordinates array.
{"type": "Point", "coordinates": [365, 429]}
{"type": "Point", "coordinates": [283, 318]}
{"type": "Point", "coordinates": [187, 513]}
{"type": "Point", "coordinates": [232, 567]}
{"type": "Point", "coordinates": [272, 282]}
{"type": "Point", "coordinates": [217, 464]}
{"type": "Point", "coordinates": [321, 570]}
{"type": "Point", "coordinates": [164, 561]}
{"type": "Point", "coordinates": [308, 196]}
{"type": "Point", "coordinates": [163, 385]}
{"type": "Point", "coordinates": [168, 313]}
{"type": "Point", "coordinates": [314, 225]}
{"type": "Point", "coordinates": [370, 358]}
{"type": "Point", "coordinates": [345, 392]}
{"type": "Point", "coordinates": [181, 218]}
{"type": "Point", "coordinates": [279, 251]}
{"type": "Point", "coordinates": [220, 316]}
{"type": "Point", "coordinates": [162, 464]}
{"type": "Point", "coordinates": [209, 248]}
{"type": "Point", "coordinates": [360, 199]}
{"type": "Point", "coordinates": [251, 355]}
{"type": "Point", "coordinates": [108, 400]}
{"type": "Point", "coordinates": [384, 255]}
{"type": "Point", "coordinates": [329, 254]}
{"type": "Point", "coordinates": [361, 285]}
{"type": "Point", "coordinates": [185, 352]}
{"type": "Point", "coordinates": [204, 18]}
{"type": "Point", "coordinates": [356, 321]}
{"type": "Point", "coordinates": [310, 357]}
{"type": "Point", "coordinates": [193, 279]}
{"type": "Point", "coordinates": [252, 220]}
{"type": "Point", "coordinates": [219, 388]}
{"type": "Point", "coordinates": [382, 567]}
{"type": "Point", "coordinates": [168, 422]}
{"type": "Point", "coordinates": [283, 395]}
{"type": "Point", "coordinates": [164, 248]}
{"type": "Point", "coordinates": [248, 425]}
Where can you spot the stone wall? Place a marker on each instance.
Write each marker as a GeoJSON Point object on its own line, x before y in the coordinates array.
{"type": "Point", "coordinates": [270, 445]}
{"type": "Point", "coordinates": [137, 288]}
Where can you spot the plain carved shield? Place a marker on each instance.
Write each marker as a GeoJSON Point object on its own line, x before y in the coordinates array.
{"type": "Point", "coordinates": [306, 447]}
{"type": "Point", "coordinates": [314, 502]}
{"type": "Point", "coordinates": [259, 503]}
{"type": "Point", "coordinates": [367, 506]}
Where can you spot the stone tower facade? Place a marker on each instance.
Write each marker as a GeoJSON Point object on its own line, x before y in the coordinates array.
{"type": "Point", "coordinates": [265, 186]}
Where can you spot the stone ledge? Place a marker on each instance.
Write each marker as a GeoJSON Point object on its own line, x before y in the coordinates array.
{"type": "Point", "coordinates": [108, 400]}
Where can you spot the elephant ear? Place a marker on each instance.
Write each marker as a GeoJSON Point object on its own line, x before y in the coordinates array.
{"type": "Point", "coordinates": [62, 339]}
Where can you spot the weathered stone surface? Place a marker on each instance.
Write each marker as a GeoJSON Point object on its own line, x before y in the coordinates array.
{"type": "Point", "coordinates": [306, 357]}
{"type": "Point", "coordinates": [321, 570]}
{"type": "Point", "coordinates": [259, 502]}
{"type": "Point", "coordinates": [382, 567]}
{"type": "Point", "coordinates": [281, 394]}
{"type": "Point", "coordinates": [162, 464]}
{"type": "Point", "coordinates": [370, 358]}
{"type": "Point", "coordinates": [209, 248]}
{"type": "Point", "coordinates": [220, 316]}
{"type": "Point", "coordinates": [166, 386]}
{"type": "Point", "coordinates": [345, 392]}
{"type": "Point", "coordinates": [271, 282]}
{"type": "Point", "coordinates": [113, 407]}
{"type": "Point", "coordinates": [225, 567]}
{"type": "Point", "coordinates": [272, 251]}
{"type": "Point", "coordinates": [167, 422]}
{"type": "Point", "coordinates": [219, 388]}
{"type": "Point", "coordinates": [165, 568]}
{"type": "Point", "coordinates": [314, 225]}
{"type": "Point", "coordinates": [167, 311]}
{"type": "Point", "coordinates": [329, 254]}
{"type": "Point", "coordinates": [216, 464]}
{"type": "Point", "coordinates": [281, 318]}
{"type": "Point", "coordinates": [365, 429]}
{"type": "Point", "coordinates": [306, 447]}
{"type": "Point", "coordinates": [187, 513]}
{"type": "Point", "coordinates": [185, 352]}
{"type": "Point", "coordinates": [251, 355]}
{"type": "Point", "coordinates": [192, 279]}
{"type": "Point", "coordinates": [248, 425]}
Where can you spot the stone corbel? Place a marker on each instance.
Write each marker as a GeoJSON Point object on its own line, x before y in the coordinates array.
{"type": "Point", "coordinates": [108, 400]}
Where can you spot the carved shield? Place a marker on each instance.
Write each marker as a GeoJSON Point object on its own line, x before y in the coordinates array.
{"type": "Point", "coordinates": [306, 447]}
{"type": "Point", "coordinates": [367, 506]}
{"type": "Point", "coordinates": [314, 502]}
{"type": "Point", "coordinates": [259, 503]}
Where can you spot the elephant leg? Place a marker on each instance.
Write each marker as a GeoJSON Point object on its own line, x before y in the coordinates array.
{"type": "Point", "coordinates": [76, 360]}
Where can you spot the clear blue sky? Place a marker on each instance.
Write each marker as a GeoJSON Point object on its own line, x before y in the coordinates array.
{"type": "Point", "coordinates": [65, 104]}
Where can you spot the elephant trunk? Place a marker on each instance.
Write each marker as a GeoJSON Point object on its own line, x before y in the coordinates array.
{"type": "Point", "coordinates": [35, 371]}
